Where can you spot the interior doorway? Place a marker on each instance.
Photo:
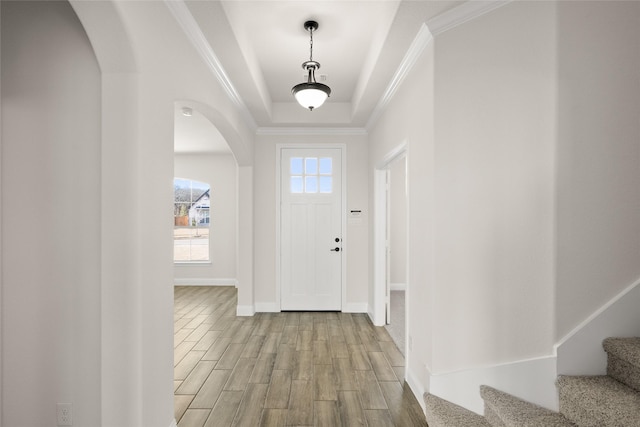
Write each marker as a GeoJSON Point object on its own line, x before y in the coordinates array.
{"type": "Point", "coordinates": [205, 202]}
{"type": "Point", "coordinates": [397, 251]}
{"type": "Point", "coordinates": [390, 245]}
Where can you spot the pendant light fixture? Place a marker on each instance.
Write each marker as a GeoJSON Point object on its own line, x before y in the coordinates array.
{"type": "Point", "coordinates": [311, 94]}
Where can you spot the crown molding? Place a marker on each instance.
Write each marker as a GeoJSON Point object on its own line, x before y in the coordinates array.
{"type": "Point", "coordinates": [438, 25]}
{"type": "Point", "coordinates": [187, 22]}
{"type": "Point", "coordinates": [281, 131]}
{"type": "Point", "coordinates": [420, 42]}
{"type": "Point", "coordinates": [463, 13]}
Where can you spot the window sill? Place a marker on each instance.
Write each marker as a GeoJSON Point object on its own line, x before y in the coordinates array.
{"type": "Point", "coordinates": [188, 263]}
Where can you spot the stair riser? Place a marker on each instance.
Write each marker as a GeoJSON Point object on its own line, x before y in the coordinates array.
{"type": "Point", "coordinates": [576, 414]}
{"type": "Point", "coordinates": [624, 372]}
{"type": "Point", "coordinates": [492, 417]}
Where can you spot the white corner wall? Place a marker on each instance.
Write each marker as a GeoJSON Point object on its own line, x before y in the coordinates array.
{"type": "Point", "coordinates": [495, 103]}
{"type": "Point", "coordinates": [51, 199]}
{"type": "Point", "coordinates": [478, 114]}
{"type": "Point", "coordinates": [220, 171]}
{"type": "Point", "coordinates": [581, 352]}
{"type": "Point", "coordinates": [598, 151]}
{"type": "Point", "coordinates": [408, 119]}
{"type": "Point", "coordinates": [536, 196]}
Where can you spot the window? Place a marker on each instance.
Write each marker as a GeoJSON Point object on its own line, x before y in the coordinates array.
{"type": "Point", "coordinates": [311, 175]}
{"type": "Point", "coordinates": [191, 204]}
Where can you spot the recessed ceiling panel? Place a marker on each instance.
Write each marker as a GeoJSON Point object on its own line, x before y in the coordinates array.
{"type": "Point", "coordinates": [271, 35]}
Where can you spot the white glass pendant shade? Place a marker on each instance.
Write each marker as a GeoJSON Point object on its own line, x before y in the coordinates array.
{"type": "Point", "coordinates": [311, 95]}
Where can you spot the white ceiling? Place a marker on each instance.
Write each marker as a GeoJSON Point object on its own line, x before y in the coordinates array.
{"type": "Point", "coordinates": [196, 134]}
{"type": "Point", "coordinates": [261, 45]}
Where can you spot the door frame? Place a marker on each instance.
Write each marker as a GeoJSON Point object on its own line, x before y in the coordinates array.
{"type": "Point", "coordinates": [381, 222]}
{"type": "Point", "coordinates": [343, 217]}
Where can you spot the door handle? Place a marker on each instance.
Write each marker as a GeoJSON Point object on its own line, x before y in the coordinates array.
{"type": "Point", "coordinates": [335, 250]}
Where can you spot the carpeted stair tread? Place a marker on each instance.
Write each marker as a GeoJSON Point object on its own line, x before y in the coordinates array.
{"type": "Point", "coordinates": [442, 413]}
{"type": "Point", "coordinates": [598, 401]}
{"type": "Point", "coordinates": [505, 410]}
{"type": "Point", "coordinates": [623, 361]}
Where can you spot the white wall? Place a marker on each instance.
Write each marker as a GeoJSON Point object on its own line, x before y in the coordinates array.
{"type": "Point", "coordinates": [102, 331]}
{"type": "Point", "coordinates": [598, 154]}
{"type": "Point", "coordinates": [220, 172]}
{"type": "Point", "coordinates": [495, 198]}
{"type": "Point", "coordinates": [51, 198]}
{"type": "Point", "coordinates": [398, 222]}
{"type": "Point", "coordinates": [409, 119]}
{"type": "Point", "coordinates": [356, 237]}
{"type": "Point", "coordinates": [478, 114]}
{"type": "Point", "coordinates": [170, 70]}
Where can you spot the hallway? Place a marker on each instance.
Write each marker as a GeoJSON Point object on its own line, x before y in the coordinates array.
{"type": "Point", "coordinates": [281, 369]}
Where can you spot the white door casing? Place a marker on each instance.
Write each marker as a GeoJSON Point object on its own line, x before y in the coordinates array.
{"type": "Point", "coordinates": [387, 237]}
{"type": "Point", "coordinates": [311, 260]}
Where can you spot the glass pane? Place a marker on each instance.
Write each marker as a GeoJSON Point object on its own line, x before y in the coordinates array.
{"type": "Point", "coordinates": [325, 166]}
{"type": "Point", "coordinates": [181, 244]}
{"type": "Point", "coordinates": [326, 182]}
{"type": "Point", "coordinates": [296, 166]}
{"type": "Point", "coordinates": [200, 244]}
{"type": "Point", "coordinates": [296, 184]}
{"type": "Point", "coordinates": [311, 166]}
{"type": "Point", "coordinates": [310, 184]}
{"type": "Point", "coordinates": [198, 189]}
{"type": "Point", "coordinates": [182, 190]}
{"type": "Point", "coordinates": [181, 214]}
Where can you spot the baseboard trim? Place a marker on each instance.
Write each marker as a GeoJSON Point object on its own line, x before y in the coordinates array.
{"type": "Point", "coordinates": [535, 383]}
{"type": "Point", "coordinates": [417, 388]}
{"type": "Point", "coordinates": [272, 307]}
{"type": "Point", "coordinates": [580, 351]}
{"type": "Point", "coordinates": [267, 307]}
{"type": "Point", "coordinates": [355, 307]}
{"type": "Point", "coordinates": [245, 310]}
{"type": "Point", "coordinates": [173, 423]}
{"type": "Point", "coordinates": [205, 282]}
{"type": "Point", "coordinates": [398, 286]}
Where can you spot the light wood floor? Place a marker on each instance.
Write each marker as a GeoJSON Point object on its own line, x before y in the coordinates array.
{"type": "Point", "coordinates": [284, 369]}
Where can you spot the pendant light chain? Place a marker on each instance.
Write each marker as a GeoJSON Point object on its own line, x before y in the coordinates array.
{"type": "Point", "coordinates": [311, 45]}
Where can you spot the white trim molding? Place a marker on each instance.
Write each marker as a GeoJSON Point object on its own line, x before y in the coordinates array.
{"type": "Point", "coordinates": [295, 131]}
{"type": "Point", "coordinates": [355, 307]}
{"type": "Point", "coordinates": [416, 387]}
{"type": "Point", "coordinates": [205, 282]}
{"type": "Point", "coordinates": [245, 310]}
{"type": "Point", "coordinates": [267, 307]}
{"type": "Point", "coordinates": [187, 22]}
{"type": "Point", "coordinates": [398, 286]}
{"type": "Point", "coordinates": [464, 13]}
{"type": "Point", "coordinates": [580, 351]}
{"type": "Point", "coordinates": [532, 380]}
{"type": "Point", "coordinates": [418, 45]}
{"type": "Point", "coordinates": [173, 423]}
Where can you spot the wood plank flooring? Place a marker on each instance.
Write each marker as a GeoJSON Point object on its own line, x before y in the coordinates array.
{"type": "Point", "coordinates": [284, 369]}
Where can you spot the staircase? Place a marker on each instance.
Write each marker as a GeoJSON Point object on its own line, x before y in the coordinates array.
{"type": "Point", "coordinates": [611, 400]}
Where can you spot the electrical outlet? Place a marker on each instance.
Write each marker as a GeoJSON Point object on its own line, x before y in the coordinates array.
{"type": "Point", "coordinates": [64, 414]}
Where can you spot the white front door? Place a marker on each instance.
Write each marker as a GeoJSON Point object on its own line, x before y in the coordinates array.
{"type": "Point", "coordinates": [311, 229]}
